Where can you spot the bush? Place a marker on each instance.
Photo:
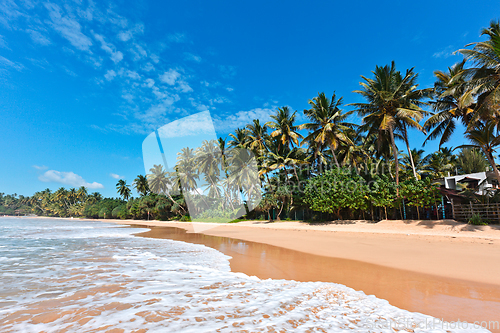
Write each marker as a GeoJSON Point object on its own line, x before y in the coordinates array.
{"type": "Point", "coordinates": [185, 218]}
{"type": "Point", "coordinates": [105, 213]}
{"type": "Point", "coordinates": [476, 219]}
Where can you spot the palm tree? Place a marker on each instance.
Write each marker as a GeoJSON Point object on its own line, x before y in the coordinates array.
{"type": "Point", "coordinates": [186, 170]}
{"type": "Point", "coordinates": [327, 125]}
{"type": "Point", "coordinates": [208, 161]}
{"type": "Point", "coordinates": [240, 138]}
{"type": "Point", "coordinates": [160, 182]}
{"type": "Point", "coordinates": [257, 137]}
{"type": "Point", "coordinates": [393, 104]}
{"type": "Point", "coordinates": [284, 127]}
{"type": "Point", "coordinates": [82, 193]}
{"type": "Point", "coordinates": [486, 138]}
{"type": "Point", "coordinates": [441, 163]}
{"type": "Point", "coordinates": [420, 162]}
{"type": "Point", "coordinates": [471, 160]}
{"type": "Point", "coordinates": [483, 86]}
{"type": "Point", "coordinates": [448, 89]}
{"type": "Point", "coordinates": [123, 189]}
{"type": "Point", "coordinates": [141, 185]}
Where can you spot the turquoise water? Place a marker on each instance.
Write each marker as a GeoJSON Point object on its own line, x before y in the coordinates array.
{"type": "Point", "coordinates": [83, 276]}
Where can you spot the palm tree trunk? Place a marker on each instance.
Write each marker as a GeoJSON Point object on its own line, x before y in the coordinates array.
{"type": "Point", "coordinates": [334, 156]}
{"type": "Point", "coordinates": [396, 162]}
{"type": "Point", "coordinates": [493, 164]}
{"type": "Point", "coordinates": [409, 152]}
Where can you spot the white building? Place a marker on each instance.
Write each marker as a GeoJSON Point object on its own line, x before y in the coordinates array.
{"type": "Point", "coordinates": [483, 181]}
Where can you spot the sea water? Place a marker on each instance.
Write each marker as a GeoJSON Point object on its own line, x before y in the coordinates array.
{"type": "Point", "coordinates": [83, 276]}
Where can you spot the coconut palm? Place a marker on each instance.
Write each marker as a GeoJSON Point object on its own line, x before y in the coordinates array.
{"type": "Point", "coordinates": [141, 185]}
{"type": "Point", "coordinates": [448, 89]}
{"type": "Point", "coordinates": [123, 189]}
{"type": "Point", "coordinates": [393, 104]}
{"type": "Point", "coordinates": [327, 126]}
{"type": "Point", "coordinates": [82, 193]}
{"type": "Point", "coordinates": [420, 162]}
{"type": "Point", "coordinates": [240, 138]}
{"type": "Point", "coordinates": [441, 163]}
{"type": "Point", "coordinates": [186, 169]}
{"type": "Point", "coordinates": [485, 137]}
{"type": "Point", "coordinates": [284, 127]}
{"type": "Point", "coordinates": [257, 137]}
{"type": "Point", "coordinates": [483, 84]}
{"type": "Point", "coordinates": [471, 160]}
{"type": "Point", "coordinates": [163, 182]}
{"type": "Point", "coordinates": [208, 161]}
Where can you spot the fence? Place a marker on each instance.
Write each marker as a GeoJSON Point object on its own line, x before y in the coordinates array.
{"type": "Point", "coordinates": [464, 212]}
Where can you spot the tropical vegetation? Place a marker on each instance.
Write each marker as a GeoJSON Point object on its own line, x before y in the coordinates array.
{"type": "Point", "coordinates": [326, 165]}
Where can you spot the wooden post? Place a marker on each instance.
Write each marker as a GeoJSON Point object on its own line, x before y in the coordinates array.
{"type": "Point", "coordinates": [452, 209]}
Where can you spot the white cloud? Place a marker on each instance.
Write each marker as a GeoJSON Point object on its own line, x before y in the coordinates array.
{"type": "Point", "coordinates": [192, 57]}
{"type": "Point", "coordinates": [116, 56]}
{"type": "Point", "coordinates": [68, 27]}
{"type": "Point", "coordinates": [3, 43]}
{"type": "Point", "coordinates": [126, 35]}
{"type": "Point", "coordinates": [170, 77]}
{"type": "Point", "coordinates": [115, 176]}
{"type": "Point", "coordinates": [7, 63]}
{"type": "Point", "coordinates": [242, 118]}
{"type": "Point", "coordinates": [38, 37]}
{"type": "Point", "coordinates": [110, 75]}
{"type": "Point", "coordinates": [177, 38]}
{"type": "Point", "coordinates": [148, 67]}
{"type": "Point", "coordinates": [184, 87]}
{"type": "Point", "coordinates": [40, 167]}
{"type": "Point", "coordinates": [67, 178]}
{"type": "Point", "coordinates": [149, 83]}
{"type": "Point", "coordinates": [447, 52]}
{"type": "Point", "coordinates": [196, 124]}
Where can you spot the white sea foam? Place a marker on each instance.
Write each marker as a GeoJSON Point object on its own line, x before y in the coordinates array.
{"type": "Point", "coordinates": [84, 276]}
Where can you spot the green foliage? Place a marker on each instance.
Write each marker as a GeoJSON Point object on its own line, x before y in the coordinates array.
{"type": "Point", "coordinates": [336, 189]}
{"type": "Point", "coordinates": [420, 193]}
{"type": "Point", "coordinates": [476, 219]}
{"type": "Point", "coordinates": [471, 160]}
{"type": "Point", "coordinates": [382, 192]}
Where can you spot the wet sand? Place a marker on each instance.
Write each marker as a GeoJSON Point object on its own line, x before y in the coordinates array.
{"type": "Point", "coordinates": [447, 296]}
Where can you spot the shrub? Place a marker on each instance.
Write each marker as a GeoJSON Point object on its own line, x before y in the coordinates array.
{"type": "Point", "coordinates": [476, 219]}
{"type": "Point", "coordinates": [185, 218]}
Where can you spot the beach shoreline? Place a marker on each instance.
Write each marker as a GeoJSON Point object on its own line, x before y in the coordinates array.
{"type": "Point", "coordinates": [444, 269]}
{"type": "Point", "coordinates": [443, 248]}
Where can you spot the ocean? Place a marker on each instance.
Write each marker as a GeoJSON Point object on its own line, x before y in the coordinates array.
{"type": "Point", "coordinates": [62, 275]}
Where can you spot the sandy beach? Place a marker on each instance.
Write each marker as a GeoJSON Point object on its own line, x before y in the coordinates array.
{"type": "Point", "coordinates": [443, 248]}
{"type": "Point", "coordinates": [442, 268]}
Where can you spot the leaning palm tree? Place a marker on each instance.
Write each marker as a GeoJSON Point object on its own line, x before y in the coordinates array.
{"type": "Point", "coordinates": [483, 85]}
{"type": "Point", "coordinates": [420, 162]}
{"type": "Point", "coordinates": [393, 104]}
{"type": "Point", "coordinates": [485, 137]}
{"type": "Point", "coordinates": [123, 189]}
{"type": "Point", "coordinates": [448, 91]}
{"type": "Point", "coordinates": [327, 126]}
{"type": "Point", "coordinates": [284, 127]}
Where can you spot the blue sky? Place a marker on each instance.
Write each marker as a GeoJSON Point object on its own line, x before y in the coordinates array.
{"type": "Point", "coordinates": [83, 83]}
